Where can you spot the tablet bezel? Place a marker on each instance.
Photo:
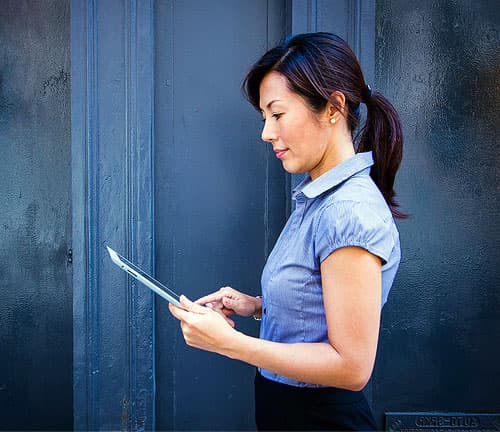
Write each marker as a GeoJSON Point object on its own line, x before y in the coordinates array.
{"type": "Point", "coordinates": [143, 277]}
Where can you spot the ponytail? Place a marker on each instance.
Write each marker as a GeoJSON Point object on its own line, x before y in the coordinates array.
{"type": "Point", "coordinates": [382, 134]}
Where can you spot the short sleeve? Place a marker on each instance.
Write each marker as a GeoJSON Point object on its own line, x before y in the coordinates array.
{"type": "Point", "coordinates": [348, 223]}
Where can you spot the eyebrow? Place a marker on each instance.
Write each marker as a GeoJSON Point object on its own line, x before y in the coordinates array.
{"type": "Point", "coordinates": [270, 103]}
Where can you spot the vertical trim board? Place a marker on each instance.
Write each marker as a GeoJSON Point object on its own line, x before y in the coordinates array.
{"type": "Point", "coordinates": [105, 213]}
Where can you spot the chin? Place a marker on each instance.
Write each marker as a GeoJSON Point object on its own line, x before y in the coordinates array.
{"type": "Point", "coordinates": [291, 169]}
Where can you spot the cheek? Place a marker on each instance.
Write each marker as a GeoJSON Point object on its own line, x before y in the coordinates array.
{"type": "Point", "coordinates": [302, 135]}
{"type": "Point", "coordinates": [296, 134]}
{"type": "Point", "coordinates": [306, 139]}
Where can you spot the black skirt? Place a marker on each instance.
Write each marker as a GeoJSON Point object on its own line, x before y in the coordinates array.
{"type": "Point", "coordinates": [284, 407]}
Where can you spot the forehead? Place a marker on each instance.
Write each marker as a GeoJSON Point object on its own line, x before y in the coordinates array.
{"type": "Point", "coordinates": [274, 87]}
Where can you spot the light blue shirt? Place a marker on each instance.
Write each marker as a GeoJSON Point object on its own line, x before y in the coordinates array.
{"type": "Point", "coordinates": [342, 207]}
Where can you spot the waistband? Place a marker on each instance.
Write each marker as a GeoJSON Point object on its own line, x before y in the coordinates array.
{"type": "Point", "coordinates": [325, 394]}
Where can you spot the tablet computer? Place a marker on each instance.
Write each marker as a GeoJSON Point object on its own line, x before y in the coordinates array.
{"type": "Point", "coordinates": [144, 278]}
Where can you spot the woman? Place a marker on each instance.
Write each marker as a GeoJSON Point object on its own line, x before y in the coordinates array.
{"type": "Point", "coordinates": [332, 267]}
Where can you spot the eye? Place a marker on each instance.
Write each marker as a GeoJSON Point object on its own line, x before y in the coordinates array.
{"type": "Point", "coordinates": [276, 116]}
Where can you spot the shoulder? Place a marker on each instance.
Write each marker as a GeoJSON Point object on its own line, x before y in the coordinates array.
{"type": "Point", "coordinates": [359, 199]}
{"type": "Point", "coordinates": [360, 219]}
{"type": "Point", "coordinates": [352, 217]}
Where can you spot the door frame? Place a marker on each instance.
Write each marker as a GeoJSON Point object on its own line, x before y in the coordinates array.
{"type": "Point", "coordinates": [113, 365]}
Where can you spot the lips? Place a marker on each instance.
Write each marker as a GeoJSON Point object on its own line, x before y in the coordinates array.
{"type": "Point", "coordinates": [280, 152]}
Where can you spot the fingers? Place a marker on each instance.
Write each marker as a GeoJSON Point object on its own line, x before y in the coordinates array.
{"type": "Point", "coordinates": [188, 307]}
{"type": "Point", "coordinates": [200, 325]}
{"type": "Point", "coordinates": [230, 303]}
{"type": "Point", "coordinates": [243, 305]}
{"type": "Point", "coordinates": [210, 298]}
{"type": "Point", "coordinates": [177, 312]}
{"type": "Point", "coordinates": [191, 306]}
{"type": "Point", "coordinates": [215, 297]}
{"type": "Point", "coordinates": [229, 321]}
{"type": "Point", "coordinates": [218, 302]}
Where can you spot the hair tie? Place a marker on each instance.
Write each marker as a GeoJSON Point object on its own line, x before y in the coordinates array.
{"type": "Point", "coordinates": [367, 92]}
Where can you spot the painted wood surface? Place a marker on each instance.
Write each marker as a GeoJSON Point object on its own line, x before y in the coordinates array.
{"type": "Point", "coordinates": [35, 216]}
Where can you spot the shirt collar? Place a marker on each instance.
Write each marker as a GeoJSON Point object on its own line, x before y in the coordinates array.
{"type": "Point", "coordinates": [335, 176]}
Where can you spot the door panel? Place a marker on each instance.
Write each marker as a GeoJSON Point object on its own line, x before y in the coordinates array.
{"type": "Point", "coordinates": [220, 196]}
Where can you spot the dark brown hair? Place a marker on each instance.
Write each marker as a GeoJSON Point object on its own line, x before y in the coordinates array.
{"type": "Point", "coordinates": [318, 64]}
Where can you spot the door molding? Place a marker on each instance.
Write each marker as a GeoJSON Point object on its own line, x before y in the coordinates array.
{"type": "Point", "coordinates": [112, 169]}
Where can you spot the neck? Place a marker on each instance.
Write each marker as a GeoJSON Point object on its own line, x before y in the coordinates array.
{"type": "Point", "coordinates": [340, 149]}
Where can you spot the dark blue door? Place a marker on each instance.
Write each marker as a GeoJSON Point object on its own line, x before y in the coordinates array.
{"type": "Point", "coordinates": [169, 168]}
{"type": "Point", "coordinates": [220, 196]}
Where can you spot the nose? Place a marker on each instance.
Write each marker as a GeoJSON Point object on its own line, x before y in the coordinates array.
{"type": "Point", "coordinates": [268, 132]}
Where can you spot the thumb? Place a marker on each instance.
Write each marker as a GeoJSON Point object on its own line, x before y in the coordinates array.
{"type": "Point", "coordinates": [190, 306]}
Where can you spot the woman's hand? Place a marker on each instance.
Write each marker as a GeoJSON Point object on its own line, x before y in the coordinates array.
{"type": "Point", "coordinates": [227, 301]}
{"type": "Point", "coordinates": [202, 327]}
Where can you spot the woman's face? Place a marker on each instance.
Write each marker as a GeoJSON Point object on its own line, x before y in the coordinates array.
{"type": "Point", "coordinates": [300, 138]}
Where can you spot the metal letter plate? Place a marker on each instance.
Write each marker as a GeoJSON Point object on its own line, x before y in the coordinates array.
{"type": "Point", "coordinates": [441, 422]}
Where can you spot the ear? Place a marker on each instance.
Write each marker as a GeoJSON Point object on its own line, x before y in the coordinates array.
{"type": "Point", "coordinates": [332, 110]}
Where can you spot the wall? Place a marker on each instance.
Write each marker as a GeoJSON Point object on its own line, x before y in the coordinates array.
{"type": "Point", "coordinates": [440, 338]}
{"type": "Point", "coordinates": [35, 218]}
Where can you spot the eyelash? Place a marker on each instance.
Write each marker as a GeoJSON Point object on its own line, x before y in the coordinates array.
{"type": "Point", "coordinates": [276, 116]}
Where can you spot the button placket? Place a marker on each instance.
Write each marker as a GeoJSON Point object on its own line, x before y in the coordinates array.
{"type": "Point", "coordinates": [301, 208]}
